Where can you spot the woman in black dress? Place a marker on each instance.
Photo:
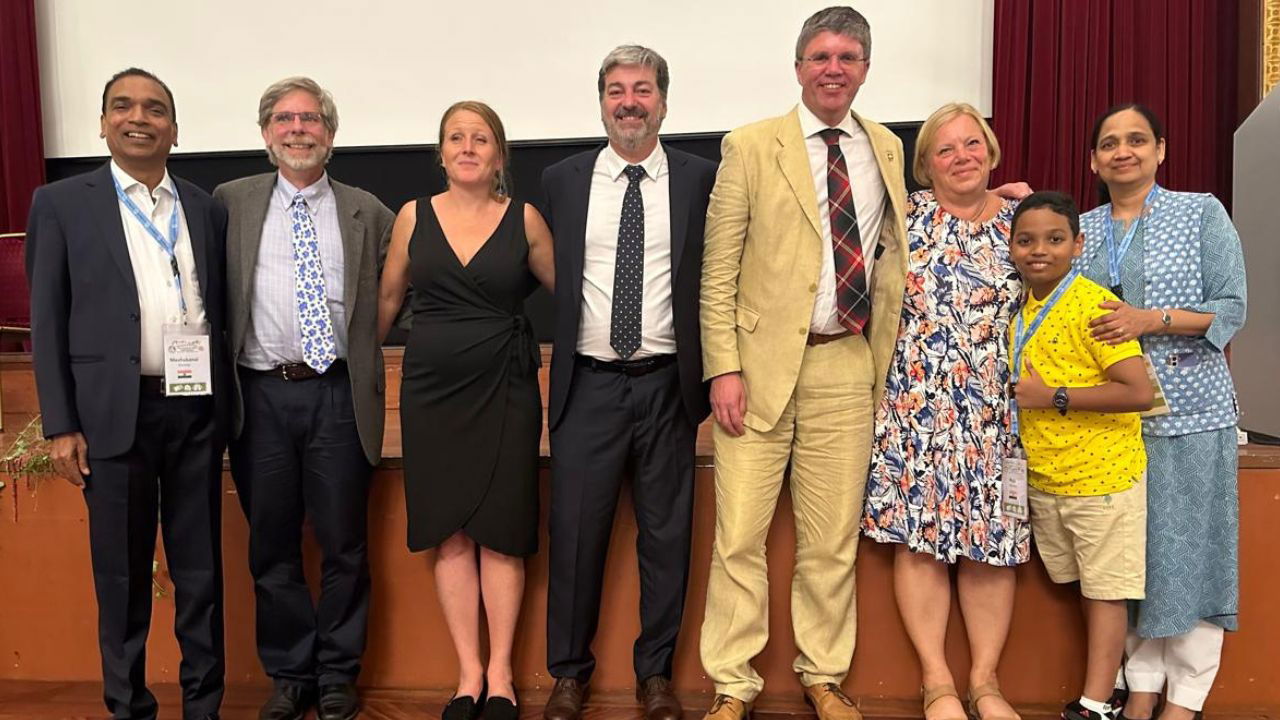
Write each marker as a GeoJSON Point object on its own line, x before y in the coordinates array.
{"type": "Point", "coordinates": [470, 410]}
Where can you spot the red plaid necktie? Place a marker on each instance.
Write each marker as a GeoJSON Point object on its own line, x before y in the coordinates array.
{"type": "Point", "coordinates": [853, 302]}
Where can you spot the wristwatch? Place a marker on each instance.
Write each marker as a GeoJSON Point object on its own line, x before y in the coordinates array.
{"type": "Point", "coordinates": [1060, 400]}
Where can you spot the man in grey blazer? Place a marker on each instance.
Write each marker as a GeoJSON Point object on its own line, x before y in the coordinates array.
{"type": "Point", "coordinates": [303, 256]}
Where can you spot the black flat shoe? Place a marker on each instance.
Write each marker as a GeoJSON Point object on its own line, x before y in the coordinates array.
{"type": "Point", "coordinates": [463, 708]}
{"type": "Point", "coordinates": [500, 708]}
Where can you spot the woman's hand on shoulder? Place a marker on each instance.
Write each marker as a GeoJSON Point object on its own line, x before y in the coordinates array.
{"type": "Point", "coordinates": [1013, 190]}
{"type": "Point", "coordinates": [1124, 323]}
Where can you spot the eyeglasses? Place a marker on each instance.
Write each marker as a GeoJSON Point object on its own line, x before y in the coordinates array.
{"type": "Point", "coordinates": [847, 60]}
{"type": "Point", "coordinates": [307, 118]}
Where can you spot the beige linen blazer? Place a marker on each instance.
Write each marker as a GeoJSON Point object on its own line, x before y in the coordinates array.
{"type": "Point", "coordinates": [763, 254]}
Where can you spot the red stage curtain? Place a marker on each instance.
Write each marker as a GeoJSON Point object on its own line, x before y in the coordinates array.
{"type": "Point", "coordinates": [1061, 63]}
{"type": "Point", "coordinates": [21, 139]}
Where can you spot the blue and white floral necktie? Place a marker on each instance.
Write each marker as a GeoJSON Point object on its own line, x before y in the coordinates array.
{"type": "Point", "coordinates": [314, 324]}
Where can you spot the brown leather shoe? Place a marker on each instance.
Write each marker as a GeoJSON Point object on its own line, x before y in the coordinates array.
{"type": "Point", "coordinates": [659, 701]}
{"type": "Point", "coordinates": [566, 700]}
{"type": "Point", "coordinates": [830, 702]}
{"type": "Point", "coordinates": [727, 707]}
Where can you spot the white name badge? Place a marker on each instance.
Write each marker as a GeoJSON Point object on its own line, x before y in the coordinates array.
{"type": "Point", "coordinates": [1013, 486]}
{"type": "Point", "coordinates": [186, 361]}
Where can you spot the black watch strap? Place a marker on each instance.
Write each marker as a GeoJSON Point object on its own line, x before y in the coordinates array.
{"type": "Point", "coordinates": [1061, 401]}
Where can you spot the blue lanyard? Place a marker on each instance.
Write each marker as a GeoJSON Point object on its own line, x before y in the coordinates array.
{"type": "Point", "coordinates": [1115, 254]}
{"type": "Point", "coordinates": [169, 244]}
{"type": "Point", "coordinates": [1022, 337]}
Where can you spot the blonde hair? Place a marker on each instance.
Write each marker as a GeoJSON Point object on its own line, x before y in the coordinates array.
{"type": "Point", "coordinates": [501, 182]}
{"type": "Point", "coordinates": [928, 131]}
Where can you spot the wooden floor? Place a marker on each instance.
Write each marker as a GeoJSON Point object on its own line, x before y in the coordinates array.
{"type": "Point", "coordinates": [30, 700]}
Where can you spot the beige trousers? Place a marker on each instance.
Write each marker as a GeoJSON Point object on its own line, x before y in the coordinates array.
{"type": "Point", "coordinates": [825, 432]}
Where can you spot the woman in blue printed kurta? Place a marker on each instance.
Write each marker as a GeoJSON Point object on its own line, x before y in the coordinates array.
{"type": "Point", "coordinates": [942, 428]}
{"type": "Point", "coordinates": [1175, 260]}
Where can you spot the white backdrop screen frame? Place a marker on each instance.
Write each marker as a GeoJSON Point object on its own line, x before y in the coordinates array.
{"type": "Point", "coordinates": [393, 67]}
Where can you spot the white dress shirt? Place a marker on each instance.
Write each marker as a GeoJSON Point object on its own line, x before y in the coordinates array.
{"type": "Point", "coordinates": [273, 337]}
{"type": "Point", "coordinates": [869, 200]}
{"type": "Point", "coordinates": [604, 210]}
{"type": "Point", "coordinates": [158, 303]}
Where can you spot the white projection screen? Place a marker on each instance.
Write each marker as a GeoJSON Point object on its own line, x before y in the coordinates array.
{"type": "Point", "coordinates": [395, 66]}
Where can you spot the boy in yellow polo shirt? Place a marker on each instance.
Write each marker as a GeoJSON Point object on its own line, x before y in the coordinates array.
{"type": "Point", "coordinates": [1077, 404]}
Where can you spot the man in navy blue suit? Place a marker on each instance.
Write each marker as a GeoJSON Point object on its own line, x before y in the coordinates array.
{"type": "Point", "coordinates": [125, 265]}
{"type": "Point", "coordinates": [626, 376]}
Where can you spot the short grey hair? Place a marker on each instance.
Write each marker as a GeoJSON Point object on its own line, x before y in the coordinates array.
{"type": "Point", "coordinates": [839, 19]}
{"type": "Point", "coordinates": [636, 55]}
{"type": "Point", "coordinates": [273, 94]}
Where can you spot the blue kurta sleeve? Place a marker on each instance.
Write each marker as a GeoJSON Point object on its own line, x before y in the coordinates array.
{"type": "Point", "coordinates": [1222, 274]}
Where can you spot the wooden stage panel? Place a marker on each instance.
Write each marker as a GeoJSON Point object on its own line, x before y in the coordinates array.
{"type": "Point", "coordinates": [48, 623]}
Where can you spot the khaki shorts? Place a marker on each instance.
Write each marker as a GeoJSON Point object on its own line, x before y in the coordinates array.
{"type": "Point", "coordinates": [1100, 540]}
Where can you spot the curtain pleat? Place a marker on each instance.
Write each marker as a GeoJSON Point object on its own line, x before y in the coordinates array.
{"type": "Point", "coordinates": [1060, 63]}
{"type": "Point", "coordinates": [21, 137]}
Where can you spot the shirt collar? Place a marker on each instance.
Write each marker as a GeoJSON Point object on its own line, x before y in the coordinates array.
{"type": "Point", "coordinates": [128, 182]}
{"type": "Point", "coordinates": [654, 166]}
{"type": "Point", "coordinates": [313, 193]}
{"type": "Point", "coordinates": [810, 125]}
{"type": "Point", "coordinates": [1033, 305]}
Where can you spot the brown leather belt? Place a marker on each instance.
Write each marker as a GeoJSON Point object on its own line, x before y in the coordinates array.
{"type": "Point", "coordinates": [816, 339]}
{"type": "Point", "coordinates": [297, 371]}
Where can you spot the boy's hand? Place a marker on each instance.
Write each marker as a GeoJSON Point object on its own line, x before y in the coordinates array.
{"type": "Point", "coordinates": [1124, 322]}
{"type": "Point", "coordinates": [1031, 392]}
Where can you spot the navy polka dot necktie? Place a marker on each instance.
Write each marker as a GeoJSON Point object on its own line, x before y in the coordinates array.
{"type": "Point", "coordinates": [628, 270]}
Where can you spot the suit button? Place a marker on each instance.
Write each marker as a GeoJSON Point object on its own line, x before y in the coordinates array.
{"type": "Point", "coordinates": [804, 331]}
{"type": "Point", "coordinates": [813, 288]}
{"type": "Point", "coordinates": [133, 317]}
{"type": "Point", "coordinates": [133, 359]}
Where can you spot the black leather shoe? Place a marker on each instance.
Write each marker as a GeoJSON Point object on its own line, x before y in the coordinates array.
{"type": "Point", "coordinates": [500, 708]}
{"type": "Point", "coordinates": [338, 702]}
{"type": "Point", "coordinates": [463, 707]}
{"type": "Point", "coordinates": [288, 701]}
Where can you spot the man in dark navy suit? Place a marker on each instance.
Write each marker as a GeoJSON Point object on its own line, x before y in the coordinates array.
{"type": "Point", "coordinates": [626, 376]}
{"type": "Point", "coordinates": [125, 265]}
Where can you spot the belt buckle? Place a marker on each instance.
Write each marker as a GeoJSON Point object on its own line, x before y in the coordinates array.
{"type": "Point", "coordinates": [289, 372]}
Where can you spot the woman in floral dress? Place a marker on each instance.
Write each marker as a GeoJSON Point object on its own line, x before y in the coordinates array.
{"type": "Point", "coordinates": [942, 428]}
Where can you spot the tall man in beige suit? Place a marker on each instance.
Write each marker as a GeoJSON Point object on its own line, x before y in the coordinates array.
{"type": "Point", "coordinates": [802, 284]}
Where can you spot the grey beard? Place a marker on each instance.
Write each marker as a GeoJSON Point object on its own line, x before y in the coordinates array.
{"type": "Point", "coordinates": [632, 141]}
{"type": "Point", "coordinates": [297, 164]}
